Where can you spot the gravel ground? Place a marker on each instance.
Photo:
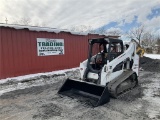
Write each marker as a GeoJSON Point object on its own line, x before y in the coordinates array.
{"type": "Point", "coordinates": [43, 103]}
{"type": "Point", "coordinates": [148, 64]}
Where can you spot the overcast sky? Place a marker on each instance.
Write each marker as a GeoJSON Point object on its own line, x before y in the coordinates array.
{"type": "Point", "coordinates": [113, 14]}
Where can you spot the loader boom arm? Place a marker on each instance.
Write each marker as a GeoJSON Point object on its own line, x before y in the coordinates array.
{"type": "Point", "coordinates": [133, 49]}
{"type": "Point", "coordinates": [133, 53]}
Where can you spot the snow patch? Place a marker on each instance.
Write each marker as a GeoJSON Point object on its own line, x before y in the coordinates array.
{"type": "Point", "coordinates": [153, 56]}
{"type": "Point", "coordinates": [152, 113]}
{"type": "Point", "coordinates": [19, 86]}
{"type": "Point", "coordinates": [40, 79]}
{"type": "Point", "coordinates": [24, 77]}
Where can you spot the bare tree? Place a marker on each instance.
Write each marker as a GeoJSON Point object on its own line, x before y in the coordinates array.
{"type": "Point", "coordinates": [148, 39]}
{"type": "Point", "coordinates": [115, 32]}
{"type": "Point", "coordinates": [136, 33]}
{"type": "Point", "coordinates": [25, 21]}
{"type": "Point", "coordinates": [93, 31]}
{"type": "Point", "coordinates": [112, 31]}
{"type": "Point", "coordinates": [102, 30]}
{"type": "Point", "coordinates": [81, 28]}
{"type": "Point", "coordinates": [22, 21]}
{"type": "Point", "coordinates": [15, 22]}
{"type": "Point", "coordinates": [158, 39]}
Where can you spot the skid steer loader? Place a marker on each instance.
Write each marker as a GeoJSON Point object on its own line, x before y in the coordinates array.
{"type": "Point", "coordinates": [110, 71]}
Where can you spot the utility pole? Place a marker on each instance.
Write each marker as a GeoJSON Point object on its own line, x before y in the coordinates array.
{"type": "Point", "coordinates": [6, 20]}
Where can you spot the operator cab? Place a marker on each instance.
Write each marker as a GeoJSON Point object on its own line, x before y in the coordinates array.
{"type": "Point", "coordinates": [102, 51]}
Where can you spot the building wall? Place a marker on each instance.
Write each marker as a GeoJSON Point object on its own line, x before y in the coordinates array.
{"type": "Point", "coordinates": [18, 52]}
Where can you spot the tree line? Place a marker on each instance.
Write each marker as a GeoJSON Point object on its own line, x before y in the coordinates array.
{"type": "Point", "coordinates": [139, 33]}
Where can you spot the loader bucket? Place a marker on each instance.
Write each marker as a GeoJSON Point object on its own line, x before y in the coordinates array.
{"type": "Point", "coordinates": [98, 95]}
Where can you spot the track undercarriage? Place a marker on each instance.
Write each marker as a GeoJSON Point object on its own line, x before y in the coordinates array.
{"type": "Point", "coordinates": [123, 83]}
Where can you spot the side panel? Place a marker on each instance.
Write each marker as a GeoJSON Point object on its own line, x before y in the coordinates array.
{"type": "Point", "coordinates": [0, 53]}
{"type": "Point", "coordinates": [107, 77]}
{"type": "Point", "coordinates": [135, 66]}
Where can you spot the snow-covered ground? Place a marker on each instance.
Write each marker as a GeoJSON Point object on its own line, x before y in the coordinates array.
{"type": "Point", "coordinates": [151, 93]}
{"type": "Point", "coordinates": [153, 56]}
{"type": "Point", "coordinates": [37, 94]}
{"type": "Point", "coordinates": [39, 79]}
{"type": "Point", "coordinates": [24, 77]}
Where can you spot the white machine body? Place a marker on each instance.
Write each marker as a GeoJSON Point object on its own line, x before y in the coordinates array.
{"type": "Point", "coordinates": [107, 73]}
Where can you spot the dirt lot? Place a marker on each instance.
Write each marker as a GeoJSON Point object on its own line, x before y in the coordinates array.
{"type": "Point", "coordinates": [43, 103]}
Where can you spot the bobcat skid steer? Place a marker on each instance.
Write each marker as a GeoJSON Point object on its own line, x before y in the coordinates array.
{"type": "Point", "coordinates": [110, 70]}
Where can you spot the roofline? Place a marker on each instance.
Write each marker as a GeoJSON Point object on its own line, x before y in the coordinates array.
{"type": "Point", "coordinates": [49, 29]}
{"type": "Point", "coordinates": [113, 36]}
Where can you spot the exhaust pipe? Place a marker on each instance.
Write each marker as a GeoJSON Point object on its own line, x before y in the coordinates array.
{"type": "Point", "coordinates": [98, 93]}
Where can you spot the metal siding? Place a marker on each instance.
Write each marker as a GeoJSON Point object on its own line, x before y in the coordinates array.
{"type": "Point", "coordinates": [25, 48]}
{"type": "Point", "coordinates": [63, 62]}
{"type": "Point", "coordinates": [37, 62]}
{"type": "Point", "coordinates": [33, 53]}
{"type": "Point", "coordinates": [5, 56]}
{"type": "Point", "coordinates": [10, 51]}
{"type": "Point", "coordinates": [18, 52]}
{"type": "Point", "coordinates": [1, 67]}
{"type": "Point", "coordinates": [23, 52]}
{"type": "Point", "coordinates": [39, 59]}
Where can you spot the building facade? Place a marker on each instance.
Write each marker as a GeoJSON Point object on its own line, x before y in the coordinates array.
{"type": "Point", "coordinates": [24, 50]}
